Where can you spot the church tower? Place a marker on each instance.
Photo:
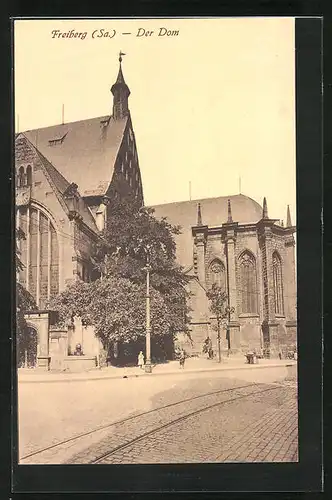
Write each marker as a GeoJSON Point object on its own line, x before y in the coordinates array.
{"type": "Point", "coordinates": [121, 92]}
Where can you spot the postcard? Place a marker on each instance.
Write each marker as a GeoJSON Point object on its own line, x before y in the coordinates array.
{"type": "Point", "coordinates": [156, 241]}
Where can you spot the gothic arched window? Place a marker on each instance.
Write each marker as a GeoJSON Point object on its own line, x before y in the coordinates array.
{"type": "Point", "coordinates": [277, 284]}
{"type": "Point", "coordinates": [29, 176]}
{"type": "Point", "coordinates": [21, 177]}
{"type": "Point", "coordinates": [248, 283]}
{"type": "Point", "coordinates": [39, 252]}
{"type": "Point", "coordinates": [217, 273]}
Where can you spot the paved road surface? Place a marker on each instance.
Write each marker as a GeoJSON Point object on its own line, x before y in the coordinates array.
{"type": "Point", "coordinates": [199, 419]}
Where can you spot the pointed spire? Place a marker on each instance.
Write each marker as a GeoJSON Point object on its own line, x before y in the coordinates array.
{"type": "Point", "coordinates": [120, 78]}
{"type": "Point", "coordinates": [229, 217]}
{"type": "Point", "coordinates": [289, 220]}
{"type": "Point", "coordinates": [121, 92]}
{"type": "Point", "coordinates": [265, 213]}
{"type": "Point", "coordinates": [199, 215]}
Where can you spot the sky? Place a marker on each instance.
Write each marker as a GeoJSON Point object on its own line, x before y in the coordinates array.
{"type": "Point", "coordinates": [212, 107]}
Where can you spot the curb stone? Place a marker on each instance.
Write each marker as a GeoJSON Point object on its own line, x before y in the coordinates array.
{"type": "Point", "coordinates": [61, 378]}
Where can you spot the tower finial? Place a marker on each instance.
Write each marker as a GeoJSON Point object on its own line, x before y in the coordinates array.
{"type": "Point", "coordinates": [265, 213]}
{"type": "Point", "coordinates": [120, 93]}
{"type": "Point", "coordinates": [289, 220]}
{"type": "Point", "coordinates": [229, 218]}
{"type": "Point", "coordinates": [199, 215]}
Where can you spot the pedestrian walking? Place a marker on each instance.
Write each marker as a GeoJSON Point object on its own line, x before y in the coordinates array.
{"type": "Point", "coordinates": [182, 358]}
{"type": "Point", "coordinates": [207, 348]}
{"type": "Point", "coordinates": [141, 360]}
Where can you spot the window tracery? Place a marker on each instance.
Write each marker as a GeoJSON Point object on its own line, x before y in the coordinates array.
{"type": "Point", "coordinates": [277, 284]}
{"type": "Point", "coordinates": [39, 253]}
{"type": "Point", "coordinates": [248, 283]}
{"type": "Point", "coordinates": [217, 273]}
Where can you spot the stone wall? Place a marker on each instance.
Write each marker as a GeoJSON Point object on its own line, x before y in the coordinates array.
{"type": "Point", "coordinates": [250, 333]}
{"type": "Point", "coordinates": [279, 338]}
{"type": "Point", "coordinates": [58, 348]}
{"type": "Point", "coordinates": [247, 241]}
{"type": "Point", "coordinates": [246, 331]}
{"type": "Point", "coordinates": [44, 195]}
{"type": "Point", "coordinates": [199, 332]}
{"type": "Point", "coordinates": [85, 336]}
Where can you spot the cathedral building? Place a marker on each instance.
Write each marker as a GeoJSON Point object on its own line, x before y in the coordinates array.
{"type": "Point", "coordinates": [65, 177]}
{"type": "Point", "coordinates": [231, 241]}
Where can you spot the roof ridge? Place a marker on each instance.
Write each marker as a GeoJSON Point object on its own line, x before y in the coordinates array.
{"type": "Point", "coordinates": [51, 173]}
{"type": "Point", "coordinates": [50, 166]}
{"type": "Point", "coordinates": [197, 200]}
{"type": "Point", "coordinates": [49, 177]}
{"type": "Point", "coordinates": [67, 123]}
{"type": "Point", "coordinates": [89, 144]}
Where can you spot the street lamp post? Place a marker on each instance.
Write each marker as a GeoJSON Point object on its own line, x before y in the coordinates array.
{"type": "Point", "coordinates": [229, 311]}
{"type": "Point", "coordinates": [218, 339]}
{"type": "Point", "coordinates": [148, 366]}
{"type": "Point", "coordinates": [228, 340]}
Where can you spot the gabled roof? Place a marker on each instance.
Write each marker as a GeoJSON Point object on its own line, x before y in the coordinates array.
{"type": "Point", "coordinates": [83, 152]}
{"type": "Point", "coordinates": [60, 184]}
{"type": "Point", "coordinates": [214, 212]}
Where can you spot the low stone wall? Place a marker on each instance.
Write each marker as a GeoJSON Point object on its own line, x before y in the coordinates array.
{"type": "Point", "coordinates": [74, 364]}
{"type": "Point", "coordinates": [58, 348]}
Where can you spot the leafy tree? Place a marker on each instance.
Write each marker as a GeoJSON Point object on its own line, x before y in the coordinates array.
{"type": "Point", "coordinates": [120, 309]}
{"type": "Point", "coordinates": [115, 303]}
{"type": "Point", "coordinates": [75, 300]}
{"type": "Point", "coordinates": [24, 300]}
{"type": "Point", "coordinates": [24, 303]}
{"type": "Point", "coordinates": [114, 306]}
{"type": "Point", "coordinates": [218, 300]}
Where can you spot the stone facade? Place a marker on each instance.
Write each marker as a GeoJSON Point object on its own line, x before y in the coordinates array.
{"type": "Point", "coordinates": [256, 267]}
{"type": "Point", "coordinates": [61, 221]}
{"type": "Point", "coordinates": [233, 243]}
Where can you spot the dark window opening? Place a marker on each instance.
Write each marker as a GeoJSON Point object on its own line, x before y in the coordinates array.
{"type": "Point", "coordinates": [21, 177]}
{"type": "Point", "coordinates": [217, 274]}
{"type": "Point", "coordinates": [29, 176]}
{"type": "Point", "coordinates": [248, 283]}
{"type": "Point", "coordinates": [277, 285]}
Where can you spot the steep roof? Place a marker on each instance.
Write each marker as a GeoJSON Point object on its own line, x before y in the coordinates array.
{"type": "Point", "coordinates": [60, 184]}
{"type": "Point", "coordinates": [83, 152]}
{"type": "Point", "coordinates": [214, 213]}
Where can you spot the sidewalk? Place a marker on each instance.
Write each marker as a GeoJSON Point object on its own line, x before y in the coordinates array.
{"type": "Point", "coordinates": [192, 365]}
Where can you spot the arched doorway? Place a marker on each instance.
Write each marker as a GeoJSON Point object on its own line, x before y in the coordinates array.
{"type": "Point", "coordinates": [27, 348]}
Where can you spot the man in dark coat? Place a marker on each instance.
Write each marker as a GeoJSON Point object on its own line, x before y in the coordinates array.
{"type": "Point", "coordinates": [182, 358]}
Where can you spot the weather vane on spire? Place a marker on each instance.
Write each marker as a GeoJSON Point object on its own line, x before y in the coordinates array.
{"type": "Point", "coordinates": [120, 56]}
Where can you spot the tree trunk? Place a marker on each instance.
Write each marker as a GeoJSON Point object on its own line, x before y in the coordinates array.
{"type": "Point", "coordinates": [218, 337]}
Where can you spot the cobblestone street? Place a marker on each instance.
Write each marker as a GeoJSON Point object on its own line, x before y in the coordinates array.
{"type": "Point", "coordinates": [258, 427]}
{"type": "Point", "coordinates": [199, 418]}
{"type": "Point", "coordinates": [239, 431]}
